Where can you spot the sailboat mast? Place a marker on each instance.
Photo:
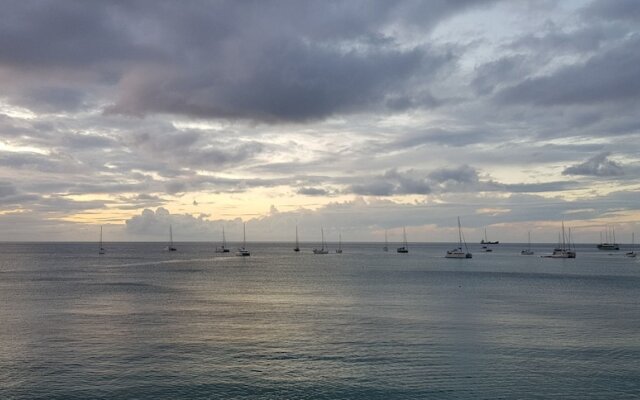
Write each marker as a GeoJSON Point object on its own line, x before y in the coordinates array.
{"type": "Point", "coordinates": [613, 231]}
{"type": "Point", "coordinates": [244, 235]}
{"type": "Point", "coordinates": [170, 236]}
{"type": "Point", "coordinates": [459, 233]}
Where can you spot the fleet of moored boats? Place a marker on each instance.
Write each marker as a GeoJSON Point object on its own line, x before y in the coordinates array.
{"type": "Point", "coordinates": [564, 249]}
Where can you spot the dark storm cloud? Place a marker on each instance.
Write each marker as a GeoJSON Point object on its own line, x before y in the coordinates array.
{"type": "Point", "coordinates": [266, 61]}
{"type": "Point", "coordinates": [71, 34]}
{"type": "Point", "coordinates": [599, 165]}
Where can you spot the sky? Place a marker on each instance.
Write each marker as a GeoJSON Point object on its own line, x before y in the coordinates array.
{"type": "Point", "coordinates": [359, 117]}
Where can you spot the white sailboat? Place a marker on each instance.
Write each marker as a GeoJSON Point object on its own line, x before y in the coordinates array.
{"type": "Point", "coordinates": [170, 246]}
{"type": "Point", "coordinates": [527, 251]}
{"type": "Point", "coordinates": [100, 248]}
{"type": "Point", "coordinates": [458, 252]}
{"type": "Point", "coordinates": [242, 251]}
{"type": "Point", "coordinates": [405, 247]}
{"type": "Point", "coordinates": [297, 248]}
{"type": "Point", "coordinates": [339, 249]}
{"type": "Point", "coordinates": [223, 247]}
{"type": "Point", "coordinates": [321, 250]}
{"type": "Point", "coordinates": [386, 242]}
{"type": "Point", "coordinates": [632, 253]}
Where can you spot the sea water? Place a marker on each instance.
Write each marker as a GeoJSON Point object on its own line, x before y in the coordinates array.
{"type": "Point", "coordinates": [141, 323]}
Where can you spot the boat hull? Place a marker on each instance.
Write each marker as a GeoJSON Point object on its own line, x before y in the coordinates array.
{"type": "Point", "coordinates": [457, 254]}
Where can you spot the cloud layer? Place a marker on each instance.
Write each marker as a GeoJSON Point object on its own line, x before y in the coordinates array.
{"type": "Point", "coordinates": [208, 112]}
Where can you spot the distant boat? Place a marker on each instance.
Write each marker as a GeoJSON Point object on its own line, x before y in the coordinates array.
{"type": "Point", "coordinates": [609, 242]}
{"type": "Point", "coordinates": [632, 253]}
{"type": "Point", "coordinates": [242, 251]}
{"type": "Point", "coordinates": [100, 248]}
{"type": "Point", "coordinates": [386, 242]}
{"type": "Point", "coordinates": [321, 250]}
{"type": "Point", "coordinates": [170, 246]}
{"type": "Point", "coordinates": [527, 251]}
{"type": "Point", "coordinates": [297, 248]}
{"type": "Point", "coordinates": [458, 252]}
{"type": "Point", "coordinates": [223, 247]}
{"type": "Point", "coordinates": [487, 241]}
{"type": "Point", "coordinates": [563, 249]}
{"type": "Point", "coordinates": [405, 246]}
{"type": "Point", "coordinates": [339, 249]}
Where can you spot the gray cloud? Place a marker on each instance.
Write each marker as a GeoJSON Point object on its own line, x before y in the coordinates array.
{"type": "Point", "coordinates": [371, 99]}
{"type": "Point", "coordinates": [598, 165]}
{"type": "Point", "coordinates": [626, 10]}
{"type": "Point", "coordinates": [288, 61]}
{"type": "Point", "coordinates": [593, 81]}
{"type": "Point", "coordinates": [312, 191]}
{"type": "Point", "coordinates": [462, 174]}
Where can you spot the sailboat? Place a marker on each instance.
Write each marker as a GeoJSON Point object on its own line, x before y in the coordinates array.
{"type": "Point", "coordinates": [458, 252]}
{"type": "Point", "coordinates": [386, 242]}
{"type": "Point", "coordinates": [527, 251]}
{"type": "Point", "coordinates": [563, 249]}
{"type": "Point", "coordinates": [297, 248]}
{"type": "Point", "coordinates": [405, 247]}
{"type": "Point", "coordinates": [223, 248]}
{"type": "Point", "coordinates": [170, 246]}
{"type": "Point", "coordinates": [242, 251]}
{"type": "Point", "coordinates": [610, 233]}
{"type": "Point", "coordinates": [100, 248]}
{"type": "Point", "coordinates": [339, 249]}
{"type": "Point", "coordinates": [487, 241]}
{"type": "Point", "coordinates": [632, 253]}
{"type": "Point", "coordinates": [321, 250]}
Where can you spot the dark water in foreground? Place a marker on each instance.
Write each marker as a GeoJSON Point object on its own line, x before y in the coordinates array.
{"type": "Point", "coordinates": [145, 324]}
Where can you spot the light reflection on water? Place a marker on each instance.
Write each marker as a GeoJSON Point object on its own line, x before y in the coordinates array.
{"type": "Point", "coordinates": [141, 323]}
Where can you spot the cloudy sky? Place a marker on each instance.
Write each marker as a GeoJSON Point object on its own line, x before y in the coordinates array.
{"type": "Point", "coordinates": [358, 116]}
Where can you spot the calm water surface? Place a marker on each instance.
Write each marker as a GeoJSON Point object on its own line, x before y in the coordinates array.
{"type": "Point", "coordinates": [140, 323]}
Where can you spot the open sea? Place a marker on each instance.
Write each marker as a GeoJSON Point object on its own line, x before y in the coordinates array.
{"type": "Point", "coordinates": [141, 323]}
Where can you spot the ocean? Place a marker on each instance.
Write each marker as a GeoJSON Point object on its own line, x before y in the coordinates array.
{"type": "Point", "coordinates": [141, 323]}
